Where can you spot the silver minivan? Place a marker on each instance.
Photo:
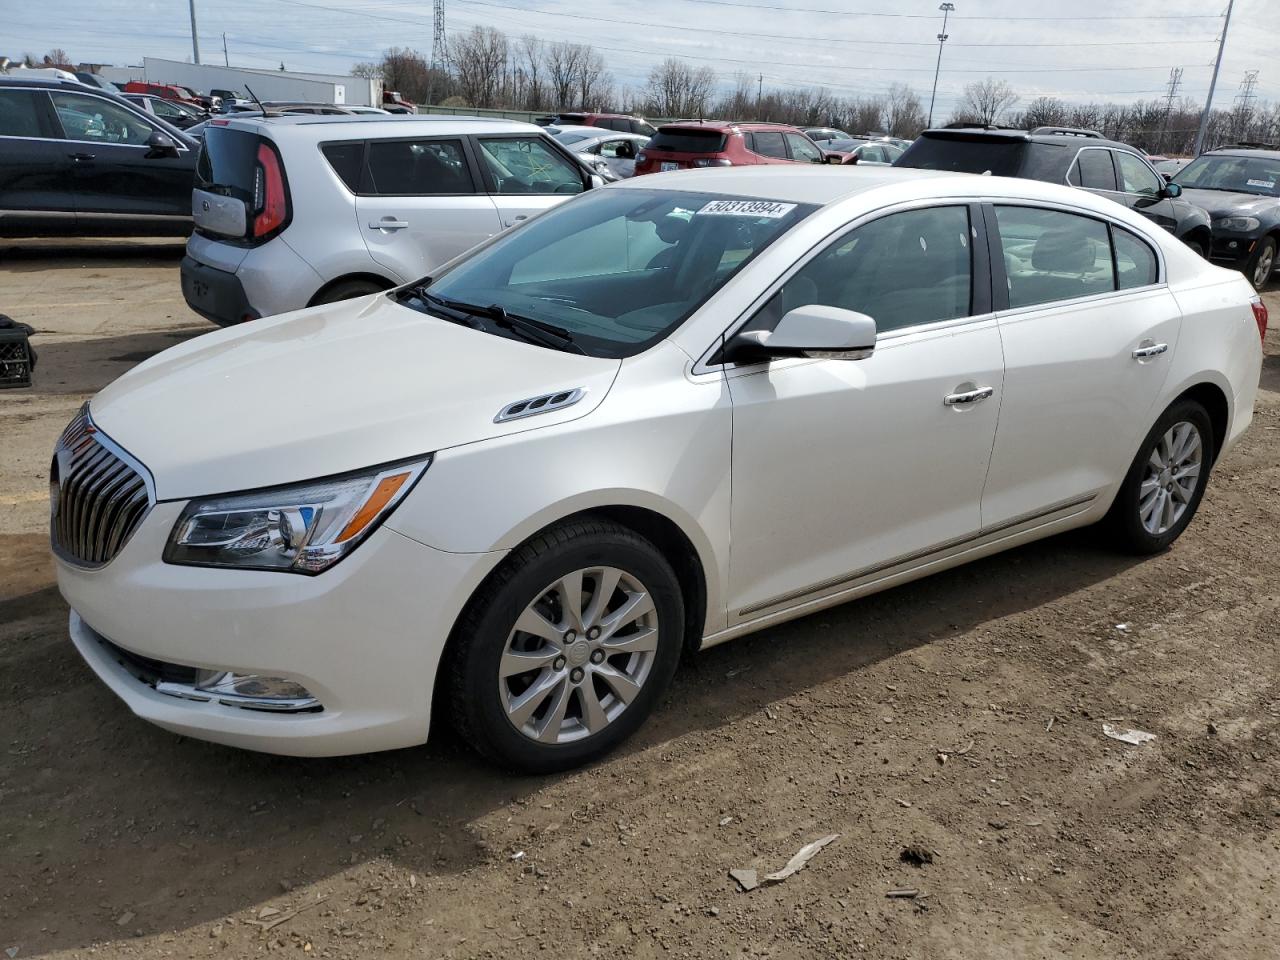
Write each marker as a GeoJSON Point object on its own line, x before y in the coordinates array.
{"type": "Point", "coordinates": [293, 211]}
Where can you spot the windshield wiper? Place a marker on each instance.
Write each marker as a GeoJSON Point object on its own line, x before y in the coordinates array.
{"type": "Point", "coordinates": [535, 331]}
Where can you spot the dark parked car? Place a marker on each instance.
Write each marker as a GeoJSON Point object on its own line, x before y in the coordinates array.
{"type": "Point", "coordinates": [176, 114]}
{"type": "Point", "coordinates": [78, 160]}
{"type": "Point", "coordinates": [1240, 187]}
{"type": "Point", "coordinates": [1079, 158]}
{"type": "Point", "coordinates": [620, 122]}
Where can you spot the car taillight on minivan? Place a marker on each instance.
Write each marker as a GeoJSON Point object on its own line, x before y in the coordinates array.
{"type": "Point", "coordinates": [1260, 315]}
{"type": "Point", "coordinates": [270, 201]}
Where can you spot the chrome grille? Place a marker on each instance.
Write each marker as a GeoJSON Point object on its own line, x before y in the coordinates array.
{"type": "Point", "coordinates": [98, 495]}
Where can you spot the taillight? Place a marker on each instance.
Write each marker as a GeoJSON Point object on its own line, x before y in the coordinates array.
{"type": "Point", "coordinates": [270, 205]}
{"type": "Point", "coordinates": [1260, 315]}
{"type": "Point", "coordinates": [641, 158]}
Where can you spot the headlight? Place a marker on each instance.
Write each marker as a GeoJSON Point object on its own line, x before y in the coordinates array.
{"type": "Point", "coordinates": [305, 528]}
{"type": "Point", "coordinates": [1237, 224]}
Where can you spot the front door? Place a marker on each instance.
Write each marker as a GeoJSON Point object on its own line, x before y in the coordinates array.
{"type": "Point", "coordinates": [526, 175]}
{"type": "Point", "coordinates": [420, 204]}
{"type": "Point", "coordinates": [1087, 350]}
{"type": "Point", "coordinates": [1144, 190]}
{"type": "Point", "coordinates": [847, 471]}
{"type": "Point", "coordinates": [119, 181]}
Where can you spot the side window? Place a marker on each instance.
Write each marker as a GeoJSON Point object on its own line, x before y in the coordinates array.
{"type": "Point", "coordinates": [418, 168]}
{"type": "Point", "coordinates": [19, 114]}
{"type": "Point", "coordinates": [528, 165]}
{"type": "Point", "coordinates": [802, 149]}
{"type": "Point", "coordinates": [346, 160]}
{"type": "Point", "coordinates": [1136, 264]}
{"type": "Point", "coordinates": [98, 120]}
{"type": "Point", "coordinates": [1050, 255]}
{"type": "Point", "coordinates": [1094, 171]}
{"type": "Point", "coordinates": [769, 144]}
{"type": "Point", "coordinates": [873, 153]}
{"type": "Point", "coordinates": [616, 149]}
{"type": "Point", "coordinates": [902, 270]}
{"type": "Point", "coordinates": [1137, 176]}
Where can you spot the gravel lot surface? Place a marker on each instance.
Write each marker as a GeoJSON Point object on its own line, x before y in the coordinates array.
{"type": "Point", "coordinates": [962, 715]}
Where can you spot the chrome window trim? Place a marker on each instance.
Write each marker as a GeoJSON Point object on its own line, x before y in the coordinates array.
{"type": "Point", "coordinates": [703, 365]}
{"type": "Point", "coordinates": [143, 115]}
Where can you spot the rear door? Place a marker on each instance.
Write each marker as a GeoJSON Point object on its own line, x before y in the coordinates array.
{"type": "Point", "coordinates": [769, 146]}
{"type": "Point", "coordinates": [120, 182]}
{"type": "Point", "coordinates": [35, 181]}
{"type": "Point", "coordinates": [526, 174]}
{"type": "Point", "coordinates": [1087, 349]}
{"type": "Point", "coordinates": [420, 202]}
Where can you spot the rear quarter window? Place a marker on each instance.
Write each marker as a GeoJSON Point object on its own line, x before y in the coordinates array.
{"type": "Point", "coordinates": [346, 159]}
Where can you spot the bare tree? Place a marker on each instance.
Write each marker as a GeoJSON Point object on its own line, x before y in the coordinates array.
{"type": "Point", "coordinates": [987, 100]}
{"type": "Point", "coordinates": [370, 71]}
{"type": "Point", "coordinates": [564, 64]}
{"type": "Point", "coordinates": [903, 112]}
{"type": "Point", "coordinates": [595, 83]}
{"type": "Point", "coordinates": [57, 57]}
{"type": "Point", "coordinates": [532, 57]}
{"type": "Point", "coordinates": [1044, 112]}
{"type": "Point", "coordinates": [864, 114]}
{"type": "Point", "coordinates": [406, 71]}
{"type": "Point", "coordinates": [676, 89]}
{"type": "Point", "coordinates": [479, 58]}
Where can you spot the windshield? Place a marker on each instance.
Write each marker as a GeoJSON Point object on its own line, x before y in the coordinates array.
{"type": "Point", "coordinates": [617, 270]}
{"type": "Point", "coordinates": [961, 154]}
{"type": "Point", "coordinates": [1257, 175]}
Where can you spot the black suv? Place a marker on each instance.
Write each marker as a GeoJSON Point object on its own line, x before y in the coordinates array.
{"type": "Point", "coordinates": [77, 160]}
{"type": "Point", "coordinates": [1240, 187]}
{"type": "Point", "coordinates": [1078, 158]}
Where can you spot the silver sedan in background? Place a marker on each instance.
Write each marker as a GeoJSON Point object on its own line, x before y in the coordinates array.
{"type": "Point", "coordinates": [607, 152]}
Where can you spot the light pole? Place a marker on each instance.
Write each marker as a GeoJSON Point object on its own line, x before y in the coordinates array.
{"type": "Point", "coordinates": [1217, 66]}
{"type": "Point", "coordinates": [195, 40]}
{"type": "Point", "coordinates": [946, 9]}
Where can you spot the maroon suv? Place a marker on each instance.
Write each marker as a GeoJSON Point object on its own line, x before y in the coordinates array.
{"type": "Point", "coordinates": [723, 143]}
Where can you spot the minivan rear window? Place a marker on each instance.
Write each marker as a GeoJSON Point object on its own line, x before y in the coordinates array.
{"type": "Point", "coordinates": [686, 140]}
{"type": "Point", "coordinates": [965, 155]}
{"type": "Point", "coordinates": [228, 162]}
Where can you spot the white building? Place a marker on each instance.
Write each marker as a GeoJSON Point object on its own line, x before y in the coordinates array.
{"type": "Point", "coordinates": [267, 84]}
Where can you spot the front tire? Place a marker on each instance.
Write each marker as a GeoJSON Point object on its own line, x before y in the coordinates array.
{"type": "Point", "coordinates": [1262, 264]}
{"type": "Point", "coordinates": [1166, 481]}
{"type": "Point", "coordinates": [567, 648]}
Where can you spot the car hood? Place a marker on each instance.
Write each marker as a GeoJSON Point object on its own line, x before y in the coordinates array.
{"type": "Point", "coordinates": [1220, 204]}
{"type": "Point", "coordinates": [327, 390]}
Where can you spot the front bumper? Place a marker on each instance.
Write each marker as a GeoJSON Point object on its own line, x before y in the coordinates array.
{"type": "Point", "coordinates": [365, 638]}
{"type": "Point", "coordinates": [1232, 250]}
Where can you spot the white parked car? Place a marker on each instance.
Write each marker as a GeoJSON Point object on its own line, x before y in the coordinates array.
{"type": "Point", "coordinates": [607, 152]}
{"type": "Point", "coordinates": [294, 211]}
{"type": "Point", "coordinates": [669, 413]}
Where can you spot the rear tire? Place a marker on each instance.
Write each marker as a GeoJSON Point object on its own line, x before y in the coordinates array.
{"type": "Point", "coordinates": [1166, 481]}
{"type": "Point", "coordinates": [605, 621]}
{"type": "Point", "coordinates": [1262, 264]}
{"type": "Point", "coordinates": [346, 291]}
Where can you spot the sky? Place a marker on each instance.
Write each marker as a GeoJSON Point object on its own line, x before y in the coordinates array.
{"type": "Point", "coordinates": [1081, 50]}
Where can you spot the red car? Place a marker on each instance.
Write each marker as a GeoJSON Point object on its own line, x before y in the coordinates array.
{"type": "Point", "coordinates": [168, 91]}
{"type": "Point", "coordinates": [724, 143]}
{"type": "Point", "coordinates": [621, 122]}
{"type": "Point", "coordinates": [392, 102]}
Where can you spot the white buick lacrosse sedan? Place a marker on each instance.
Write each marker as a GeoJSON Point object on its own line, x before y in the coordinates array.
{"type": "Point", "coordinates": [660, 416]}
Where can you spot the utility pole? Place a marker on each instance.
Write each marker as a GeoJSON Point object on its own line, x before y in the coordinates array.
{"type": "Point", "coordinates": [760, 97]}
{"type": "Point", "coordinates": [1213, 83]}
{"type": "Point", "coordinates": [195, 40]}
{"type": "Point", "coordinates": [1175, 81]}
{"type": "Point", "coordinates": [946, 9]}
{"type": "Point", "coordinates": [225, 59]}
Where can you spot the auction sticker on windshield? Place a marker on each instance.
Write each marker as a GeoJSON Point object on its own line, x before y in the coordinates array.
{"type": "Point", "coordinates": [1265, 184]}
{"type": "Point", "coordinates": [768, 209]}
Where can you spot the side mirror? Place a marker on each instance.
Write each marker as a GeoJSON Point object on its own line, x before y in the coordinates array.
{"type": "Point", "coordinates": [830, 158]}
{"type": "Point", "coordinates": [1172, 191]}
{"type": "Point", "coordinates": [596, 181]}
{"type": "Point", "coordinates": [160, 144]}
{"type": "Point", "coordinates": [814, 331]}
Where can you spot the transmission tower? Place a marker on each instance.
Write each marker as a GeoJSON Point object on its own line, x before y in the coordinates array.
{"type": "Point", "coordinates": [1242, 114]}
{"type": "Point", "coordinates": [1175, 81]}
{"type": "Point", "coordinates": [439, 47]}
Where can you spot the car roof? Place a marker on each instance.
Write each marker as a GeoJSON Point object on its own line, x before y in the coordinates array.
{"type": "Point", "coordinates": [1269, 153]}
{"type": "Point", "coordinates": [580, 128]}
{"type": "Point", "coordinates": [728, 125]}
{"type": "Point", "coordinates": [1075, 141]}
{"type": "Point", "coordinates": [373, 124]}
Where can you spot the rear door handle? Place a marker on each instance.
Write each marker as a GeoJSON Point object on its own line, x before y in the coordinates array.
{"type": "Point", "coordinates": [1149, 350]}
{"type": "Point", "coordinates": [514, 220]}
{"type": "Point", "coordinates": [81, 157]}
{"type": "Point", "coordinates": [969, 396]}
{"type": "Point", "coordinates": [388, 223]}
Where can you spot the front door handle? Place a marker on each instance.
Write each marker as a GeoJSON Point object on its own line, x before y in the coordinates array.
{"type": "Point", "coordinates": [388, 223]}
{"type": "Point", "coordinates": [969, 396]}
{"type": "Point", "coordinates": [1149, 350]}
{"type": "Point", "coordinates": [81, 157]}
{"type": "Point", "coordinates": [514, 220]}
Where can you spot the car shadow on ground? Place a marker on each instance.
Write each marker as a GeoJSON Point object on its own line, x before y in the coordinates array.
{"type": "Point", "coordinates": [88, 364]}
{"type": "Point", "coordinates": [177, 832]}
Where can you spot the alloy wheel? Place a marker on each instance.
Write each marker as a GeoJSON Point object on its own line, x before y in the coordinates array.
{"type": "Point", "coordinates": [1172, 473]}
{"type": "Point", "coordinates": [1266, 264]}
{"type": "Point", "coordinates": [578, 655]}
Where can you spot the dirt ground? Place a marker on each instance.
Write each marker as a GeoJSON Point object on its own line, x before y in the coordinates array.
{"type": "Point", "coordinates": [962, 714]}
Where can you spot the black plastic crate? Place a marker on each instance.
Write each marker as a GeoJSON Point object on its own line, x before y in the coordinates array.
{"type": "Point", "coordinates": [16, 360]}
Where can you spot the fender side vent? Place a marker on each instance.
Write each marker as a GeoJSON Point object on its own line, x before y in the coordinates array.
{"type": "Point", "coordinates": [543, 404]}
